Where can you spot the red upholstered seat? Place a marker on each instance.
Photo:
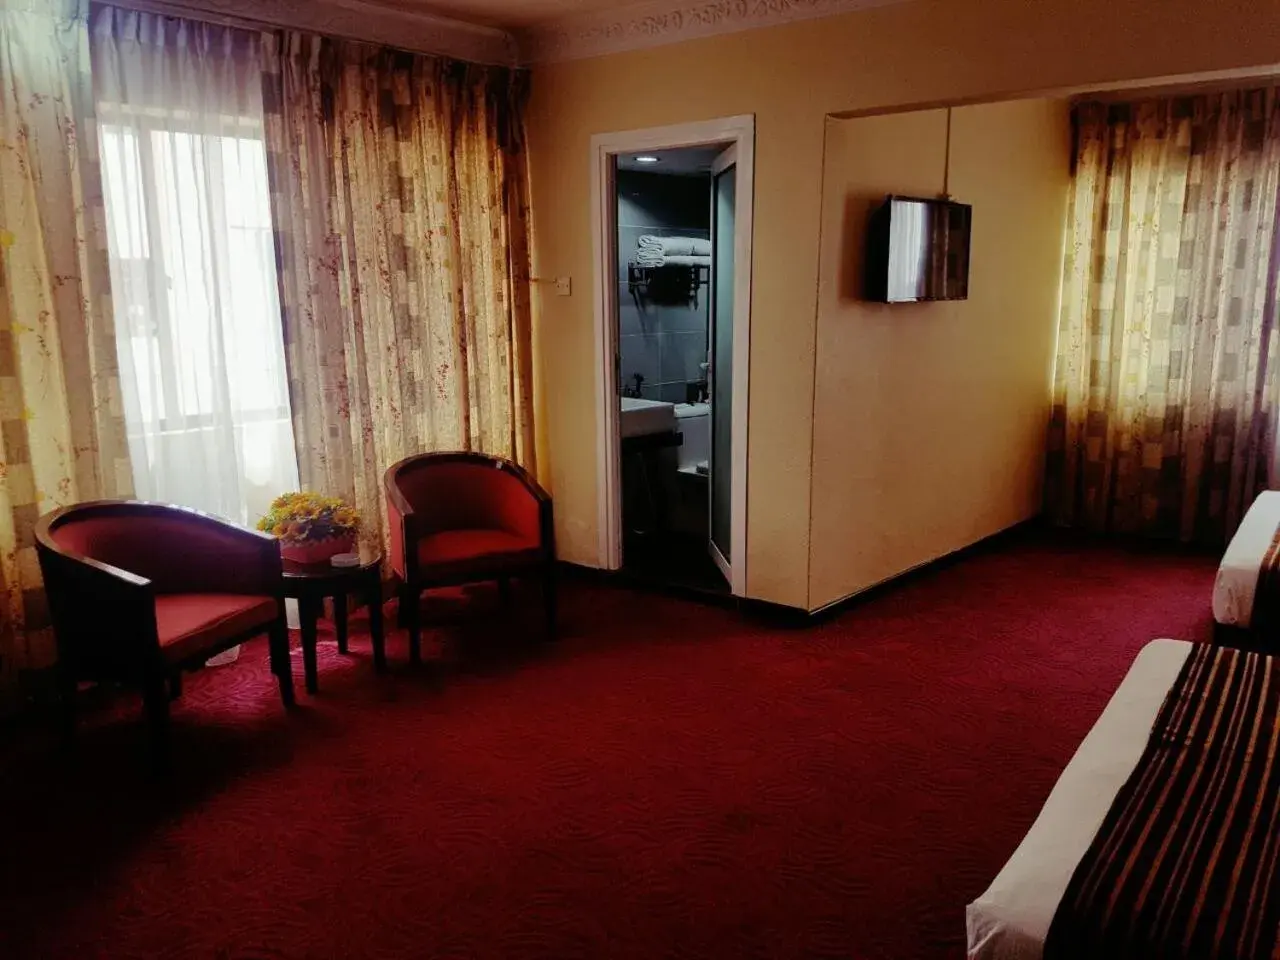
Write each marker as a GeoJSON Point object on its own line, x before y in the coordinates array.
{"type": "Point", "coordinates": [478, 550]}
{"type": "Point", "coordinates": [188, 623]}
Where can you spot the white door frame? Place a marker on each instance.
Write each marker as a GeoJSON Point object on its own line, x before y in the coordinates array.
{"type": "Point", "coordinates": [728, 158]}
{"type": "Point", "coordinates": [739, 131]}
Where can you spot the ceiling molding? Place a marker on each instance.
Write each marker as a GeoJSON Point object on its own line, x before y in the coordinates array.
{"type": "Point", "coordinates": [410, 29]}
{"type": "Point", "coordinates": [659, 22]}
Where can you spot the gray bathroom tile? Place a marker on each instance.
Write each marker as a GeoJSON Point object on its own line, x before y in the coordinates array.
{"type": "Point", "coordinates": [655, 200]}
{"type": "Point", "coordinates": [635, 205]}
{"type": "Point", "coordinates": [695, 229]}
{"type": "Point", "coordinates": [631, 322]}
{"type": "Point", "coordinates": [648, 315]}
{"type": "Point", "coordinates": [651, 391]}
{"type": "Point", "coordinates": [673, 392]}
{"type": "Point", "coordinates": [640, 354]}
{"type": "Point", "coordinates": [666, 206]}
{"type": "Point", "coordinates": [675, 318]}
{"type": "Point", "coordinates": [681, 353]}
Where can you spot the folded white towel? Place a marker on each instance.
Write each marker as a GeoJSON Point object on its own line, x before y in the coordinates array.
{"type": "Point", "coordinates": [651, 246]}
{"type": "Point", "coordinates": [675, 260]}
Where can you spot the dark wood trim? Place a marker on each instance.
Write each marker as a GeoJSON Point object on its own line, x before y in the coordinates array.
{"type": "Point", "coordinates": [133, 508]}
{"type": "Point", "coordinates": [338, 583]}
{"type": "Point", "coordinates": [419, 460]}
{"type": "Point", "coordinates": [394, 496]}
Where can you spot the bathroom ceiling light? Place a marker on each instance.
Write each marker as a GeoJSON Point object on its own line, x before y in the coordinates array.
{"type": "Point", "coordinates": [646, 159]}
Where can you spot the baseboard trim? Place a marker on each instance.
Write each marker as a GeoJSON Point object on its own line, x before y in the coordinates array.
{"type": "Point", "coordinates": [625, 578]}
{"type": "Point", "coordinates": [781, 615]}
{"type": "Point", "coordinates": [927, 568]}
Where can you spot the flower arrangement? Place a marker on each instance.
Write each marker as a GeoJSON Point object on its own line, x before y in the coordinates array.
{"type": "Point", "coordinates": [303, 518]}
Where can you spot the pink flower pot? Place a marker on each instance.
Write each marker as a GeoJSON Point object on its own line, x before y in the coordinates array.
{"type": "Point", "coordinates": [316, 551]}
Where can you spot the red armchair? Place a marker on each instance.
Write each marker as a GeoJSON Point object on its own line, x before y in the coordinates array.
{"type": "Point", "coordinates": [465, 517]}
{"type": "Point", "coordinates": [140, 591]}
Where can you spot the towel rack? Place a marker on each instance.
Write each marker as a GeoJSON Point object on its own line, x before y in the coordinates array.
{"type": "Point", "coordinates": [639, 277]}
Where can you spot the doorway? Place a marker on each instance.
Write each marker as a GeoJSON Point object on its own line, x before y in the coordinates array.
{"type": "Point", "coordinates": [672, 232]}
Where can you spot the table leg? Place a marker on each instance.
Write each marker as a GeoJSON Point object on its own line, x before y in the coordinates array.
{"type": "Point", "coordinates": [308, 613]}
{"type": "Point", "coordinates": [375, 622]}
{"type": "Point", "coordinates": [340, 620]}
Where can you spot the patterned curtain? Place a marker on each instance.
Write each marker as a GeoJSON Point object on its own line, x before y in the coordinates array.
{"type": "Point", "coordinates": [61, 432]}
{"type": "Point", "coordinates": [1165, 390]}
{"type": "Point", "coordinates": [399, 187]}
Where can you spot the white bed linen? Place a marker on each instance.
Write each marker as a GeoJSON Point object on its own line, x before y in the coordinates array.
{"type": "Point", "coordinates": [1011, 920]}
{"type": "Point", "coordinates": [1238, 575]}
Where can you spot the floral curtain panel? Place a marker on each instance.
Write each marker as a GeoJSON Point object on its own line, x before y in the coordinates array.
{"type": "Point", "coordinates": [399, 188]}
{"type": "Point", "coordinates": [62, 436]}
{"type": "Point", "coordinates": [1165, 393]}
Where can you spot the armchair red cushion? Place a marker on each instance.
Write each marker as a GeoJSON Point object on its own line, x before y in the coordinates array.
{"type": "Point", "coordinates": [189, 623]}
{"type": "Point", "coordinates": [459, 551]}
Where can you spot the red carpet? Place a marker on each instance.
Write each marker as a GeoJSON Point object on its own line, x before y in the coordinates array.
{"type": "Point", "coordinates": [668, 780]}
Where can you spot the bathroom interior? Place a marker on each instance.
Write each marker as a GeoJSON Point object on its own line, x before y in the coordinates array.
{"type": "Point", "coordinates": [665, 338]}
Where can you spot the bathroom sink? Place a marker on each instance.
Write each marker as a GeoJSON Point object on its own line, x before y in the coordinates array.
{"type": "Point", "coordinates": [640, 417]}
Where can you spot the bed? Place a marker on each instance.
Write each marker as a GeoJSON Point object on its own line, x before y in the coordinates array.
{"type": "Point", "coordinates": [1011, 919]}
{"type": "Point", "coordinates": [1235, 589]}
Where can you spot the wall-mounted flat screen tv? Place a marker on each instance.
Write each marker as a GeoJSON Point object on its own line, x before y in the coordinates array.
{"type": "Point", "coordinates": [918, 249]}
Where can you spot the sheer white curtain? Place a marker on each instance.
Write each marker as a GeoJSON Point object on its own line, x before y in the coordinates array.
{"type": "Point", "coordinates": [193, 265]}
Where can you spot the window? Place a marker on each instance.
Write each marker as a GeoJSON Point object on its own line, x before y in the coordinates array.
{"type": "Point", "coordinates": [197, 310]}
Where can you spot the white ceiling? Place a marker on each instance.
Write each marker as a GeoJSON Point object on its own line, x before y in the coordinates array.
{"type": "Point", "coordinates": [686, 161]}
{"type": "Point", "coordinates": [510, 14]}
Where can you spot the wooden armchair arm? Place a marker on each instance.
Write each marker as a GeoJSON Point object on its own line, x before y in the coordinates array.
{"type": "Point", "coordinates": [525, 477]}
{"type": "Point", "coordinates": [546, 521]}
{"type": "Point", "coordinates": [402, 532]}
{"type": "Point", "coordinates": [103, 617]}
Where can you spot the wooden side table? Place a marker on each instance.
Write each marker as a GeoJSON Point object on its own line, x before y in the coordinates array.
{"type": "Point", "coordinates": [310, 583]}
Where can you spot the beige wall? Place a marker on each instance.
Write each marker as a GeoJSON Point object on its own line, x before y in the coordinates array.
{"type": "Point", "coordinates": [929, 419]}
{"type": "Point", "coordinates": [925, 51]}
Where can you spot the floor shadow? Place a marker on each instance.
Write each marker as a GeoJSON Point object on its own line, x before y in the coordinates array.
{"type": "Point", "coordinates": [77, 809]}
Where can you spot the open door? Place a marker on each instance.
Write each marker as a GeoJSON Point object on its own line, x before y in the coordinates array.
{"type": "Point", "coordinates": [724, 177]}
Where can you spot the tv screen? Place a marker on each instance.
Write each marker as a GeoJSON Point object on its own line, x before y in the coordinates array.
{"type": "Point", "coordinates": [917, 250]}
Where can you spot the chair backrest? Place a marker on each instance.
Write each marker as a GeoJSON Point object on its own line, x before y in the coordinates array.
{"type": "Point", "coordinates": [467, 492]}
{"type": "Point", "coordinates": [178, 550]}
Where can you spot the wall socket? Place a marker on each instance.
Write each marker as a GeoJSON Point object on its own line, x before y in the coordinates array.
{"type": "Point", "coordinates": [564, 286]}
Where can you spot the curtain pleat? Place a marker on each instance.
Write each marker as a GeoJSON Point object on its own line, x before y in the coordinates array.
{"type": "Point", "coordinates": [1164, 389]}
{"type": "Point", "coordinates": [399, 185]}
{"type": "Point", "coordinates": [62, 436]}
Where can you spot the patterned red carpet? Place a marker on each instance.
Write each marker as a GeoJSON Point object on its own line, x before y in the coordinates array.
{"type": "Point", "coordinates": [668, 780]}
